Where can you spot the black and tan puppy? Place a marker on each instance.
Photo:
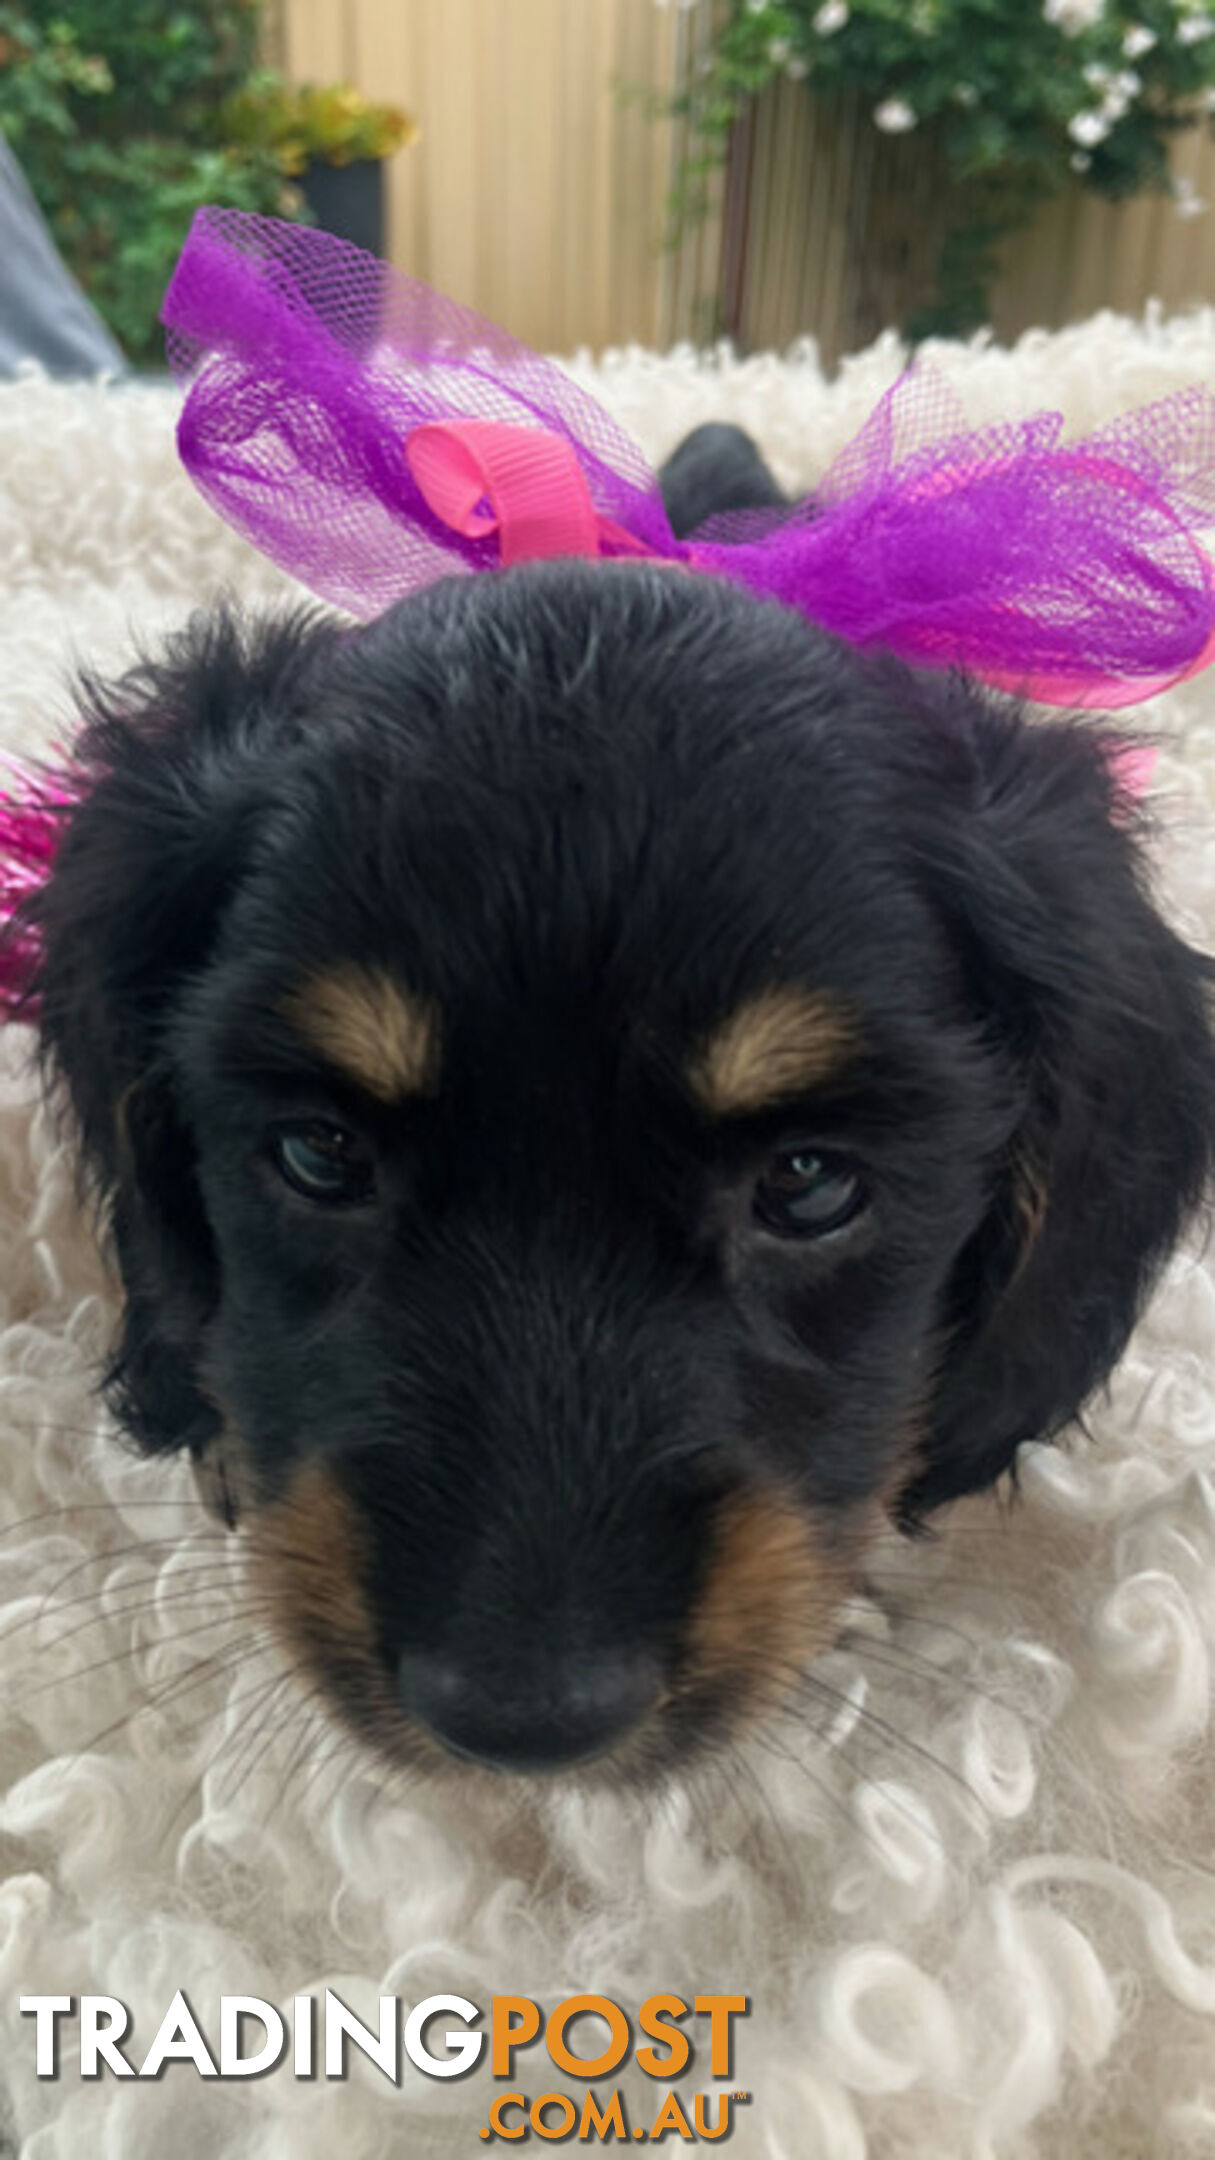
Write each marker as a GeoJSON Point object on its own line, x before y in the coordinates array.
{"type": "Point", "coordinates": [604, 1094]}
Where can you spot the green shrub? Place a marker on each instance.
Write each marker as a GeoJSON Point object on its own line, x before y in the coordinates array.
{"type": "Point", "coordinates": [115, 110]}
{"type": "Point", "coordinates": [304, 124]}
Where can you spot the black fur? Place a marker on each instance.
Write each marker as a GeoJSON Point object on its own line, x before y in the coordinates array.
{"type": "Point", "coordinates": [715, 470]}
{"type": "Point", "coordinates": [588, 811]}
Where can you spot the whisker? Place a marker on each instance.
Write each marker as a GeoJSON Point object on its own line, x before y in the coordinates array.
{"type": "Point", "coordinates": [803, 1685]}
{"type": "Point", "coordinates": [253, 1696]}
{"type": "Point", "coordinates": [766, 1740]}
{"type": "Point", "coordinates": [96, 1507]}
{"type": "Point", "coordinates": [314, 1721]}
{"type": "Point", "coordinates": [873, 1719]}
{"type": "Point", "coordinates": [183, 1684]}
{"type": "Point", "coordinates": [210, 1581]}
{"type": "Point", "coordinates": [242, 1768]}
{"type": "Point", "coordinates": [130, 1650]}
{"type": "Point", "coordinates": [747, 1770]}
{"type": "Point", "coordinates": [50, 1602]}
{"type": "Point", "coordinates": [667, 1798]}
{"type": "Point", "coordinates": [903, 1659]}
{"type": "Point", "coordinates": [345, 1747]}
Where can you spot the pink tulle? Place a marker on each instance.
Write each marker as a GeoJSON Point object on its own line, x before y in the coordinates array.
{"type": "Point", "coordinates": [32, 806]}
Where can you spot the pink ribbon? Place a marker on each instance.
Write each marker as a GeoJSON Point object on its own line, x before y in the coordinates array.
{"type": "Point", "coordinates": [525, 484]}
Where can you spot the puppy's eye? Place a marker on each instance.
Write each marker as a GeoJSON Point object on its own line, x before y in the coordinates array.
{"type": "Point", "coordinates": [324, 1163]}
{"type": "Point", "coordinates": [806, 1192]}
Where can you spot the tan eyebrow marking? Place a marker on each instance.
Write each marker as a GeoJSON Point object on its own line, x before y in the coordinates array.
{"type": "Point", "coordinates": [378, 1033]}
{"type": "Point", "coordinates": [778, 1043]}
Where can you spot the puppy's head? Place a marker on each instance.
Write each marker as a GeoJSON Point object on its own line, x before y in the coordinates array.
{"type": "Point", "coordinates": [603, 1093]}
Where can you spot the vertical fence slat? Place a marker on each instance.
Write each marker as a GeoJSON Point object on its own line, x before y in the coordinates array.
{"type": "Point", "coordinates": [314, 40]}
{"type": "Point", "coordinates": [540, 196]}
{"type": "Point", "coordinates": [535, 192]}
{"type": "Point", "coordinates": [1113, 255]}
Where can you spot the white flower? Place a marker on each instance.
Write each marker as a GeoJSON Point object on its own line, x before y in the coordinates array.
{"type": "Point", "coordinates": [1073, 16]}
{"type": "Point", "coordinates": [1080, 161]}
{"type": "Point", "coordinates": [779, 50]}
{"type": "Point", "coordinates": [757, 7]}
{"type": "Point", "coordinates": [966, 94]}
{"type": "Point", "coordinates": [1194, 28]}
{"type": "Point", "coordinates": [1096, 75]}
{"type": "Point", "coordinates": [1187, 202]}
{"type": "Point", "coordinates": [1118, 96]}
{"type": "Point", "coordinates": [893, 116]}
{"type": "Point", "coordinates": [1138, 40]}
{"type": "Point", "coordinates": [831, 17]}
{"type": "Point", "coordinates": [1088, 129]}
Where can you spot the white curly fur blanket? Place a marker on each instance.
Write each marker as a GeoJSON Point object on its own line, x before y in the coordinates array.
{"type": "Point", "coordinates": [975, 1917]}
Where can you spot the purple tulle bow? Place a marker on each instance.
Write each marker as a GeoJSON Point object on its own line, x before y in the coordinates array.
{"type": "Point", "coordinates": [1068, 571]}
{"type": "Point", "coordinates": [336, 412]}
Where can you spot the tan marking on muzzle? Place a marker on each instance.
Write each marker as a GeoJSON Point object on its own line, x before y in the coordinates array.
{"type": "Point", "coordinates": [776, 1045]}
{"type": "Point", "coordinates": [381, 1035]}
{"type": "Point", "coordinates": [775, 1583]}
{"type": "Point", "coordinates": [309, 1555]}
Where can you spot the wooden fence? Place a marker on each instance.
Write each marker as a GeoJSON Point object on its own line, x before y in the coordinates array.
{"type": "Point", "coordinates": [539, 189]}
{"type": "Point", "coordinates": [819, 186]}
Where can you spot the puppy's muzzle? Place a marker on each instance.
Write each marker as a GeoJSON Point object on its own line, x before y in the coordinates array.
{"type": "Point", "coordinates": [566, 1707]}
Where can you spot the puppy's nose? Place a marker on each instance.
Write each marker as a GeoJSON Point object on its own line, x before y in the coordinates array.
{"type": "Point", "coordinates": [576, 1708]}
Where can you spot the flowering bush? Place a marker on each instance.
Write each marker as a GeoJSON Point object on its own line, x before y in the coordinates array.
{"type": "Point", "coordinates": [1016, 97]}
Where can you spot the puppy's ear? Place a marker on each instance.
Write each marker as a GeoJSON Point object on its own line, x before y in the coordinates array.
{"type": "Point", "coordinates": [1103, 1016]}
{"type": "Point", "coordinates": [182, 754]}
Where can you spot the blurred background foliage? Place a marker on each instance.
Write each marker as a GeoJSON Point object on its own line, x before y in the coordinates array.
{"type": "Point", "coordinates": [127, 117]}
{"type": "Point", "coordinates": [115, 113]}
{"type": "Point", "coordinates": [863, 162]}
{"type": "Point", "coordinates": [304, 124]}
{"type": "Point", "coordinates": [1010, 102]}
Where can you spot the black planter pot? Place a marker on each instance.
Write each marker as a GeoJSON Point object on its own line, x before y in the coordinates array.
{"type": "Point", "coordinates": [348, 200]}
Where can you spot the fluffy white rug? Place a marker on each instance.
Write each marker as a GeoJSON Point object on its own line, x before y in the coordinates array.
{"type": "Point", "coordinates": [977, 1917]}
